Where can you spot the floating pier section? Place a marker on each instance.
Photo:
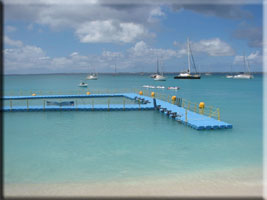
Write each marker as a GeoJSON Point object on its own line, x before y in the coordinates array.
{"type": "Point", "coordinates": [179, 113]}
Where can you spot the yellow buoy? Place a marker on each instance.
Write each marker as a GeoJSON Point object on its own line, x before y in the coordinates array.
{"type": "Point", "coordinates": [33, 94]}
{"type": "Point", "coordinates": [153, 94]}
{"type": "Point", "coordinates": [173, 98]}
{"type": "Point", "coordinates": [201, 105]}
{"type": "Point", "coordinates": [141, 92]}
{"type": "Point", "coordinates": [88, 93]}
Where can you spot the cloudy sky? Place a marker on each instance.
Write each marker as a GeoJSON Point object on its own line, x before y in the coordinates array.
{"type": "Point", "coordinates": [49, 36]}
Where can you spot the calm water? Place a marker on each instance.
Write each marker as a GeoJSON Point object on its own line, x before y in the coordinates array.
{"type": "Point", "coordinates": [56, 147]}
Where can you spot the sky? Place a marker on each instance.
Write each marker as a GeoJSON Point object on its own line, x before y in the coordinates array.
{"type": "Point", "coordinates": [56, 36]}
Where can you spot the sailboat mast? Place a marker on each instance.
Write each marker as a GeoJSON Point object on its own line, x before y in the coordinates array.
{"type": "Point", "coordinates": [248, 66]}
{"type": "Point", "coordinates": [157, 65]}
{"type": "Point", "coordinates": [244, 58]}
{"type": "Point", "coordinates": [188, 55]}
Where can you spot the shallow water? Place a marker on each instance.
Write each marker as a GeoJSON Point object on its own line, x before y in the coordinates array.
{"type": "Point", "coordinates": [55, 147]}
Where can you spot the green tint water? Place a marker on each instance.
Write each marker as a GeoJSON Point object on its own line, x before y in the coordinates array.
{"type": "Point", "coordinates": [82, 146]}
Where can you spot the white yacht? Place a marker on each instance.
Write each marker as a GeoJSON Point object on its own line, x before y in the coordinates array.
{"type": "Point", "coordinates": [159, 77]}
{"type": "Point", "coordinates": [244, 75]}
{"type": "Point", "coordinates": [187, 74]}
{"type": "Point", "coordinates": [92, 77]}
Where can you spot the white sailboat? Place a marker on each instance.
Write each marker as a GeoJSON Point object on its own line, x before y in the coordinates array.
{"type": "Point", "coordinates": [92, 76]}
{"type": "Point", "coordinates": [159, 77]}
{"type": "Point", "coordinates": [154, 75]}
{"type": "Point", "coordinates": [244, 75]}
{"type": "Point", "coordinates": [187, 74]}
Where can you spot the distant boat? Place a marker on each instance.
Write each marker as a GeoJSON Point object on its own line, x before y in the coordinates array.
{"type": "Point", "coordinates": [159, 77]}
{"type": "Point", "coordinates": [230, 75]}
{"type": "Point", "coordinates": [92, 77]}
{"type": "Point", "coordinates": [173, 88]}
{"type": "Point", "coordinates": [187, 74]}
{"type": "Point", "coordinates": [82, 84]}
{"type": "Point", "coordinates": [208, 74]}
{"type": "Point", "coordinates": [244, 75]}
{"type": "Point", "coordinates": [153, 75]}
{"type": "Point", "coordinates": [115, 70]}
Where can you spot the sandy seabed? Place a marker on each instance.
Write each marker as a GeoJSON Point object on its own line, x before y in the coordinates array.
{"type": "Point", "coordinates": [216, 183]}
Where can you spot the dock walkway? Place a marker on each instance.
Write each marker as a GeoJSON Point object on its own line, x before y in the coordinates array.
{"type": "Point", "coordinates": [180, 114]}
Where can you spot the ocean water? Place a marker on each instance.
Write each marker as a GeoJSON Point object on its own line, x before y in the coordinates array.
{"type": "Point", "coordinates": [67, 147]}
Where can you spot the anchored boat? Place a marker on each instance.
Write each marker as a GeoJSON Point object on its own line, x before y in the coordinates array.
{"type": "Point", "coordinates": [187, 74]}
{"type": "Point", "coordinates": [92, 77]}
{"type": "Point", "coordinates": [244, 75]}
{"type": "Point", "coordinates": [159, 77]}
{"type": "Point", "coordinates": [82, 84]}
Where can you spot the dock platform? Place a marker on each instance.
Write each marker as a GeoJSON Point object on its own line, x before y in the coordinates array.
{"type": "Point", "coordinates": [180, 114]}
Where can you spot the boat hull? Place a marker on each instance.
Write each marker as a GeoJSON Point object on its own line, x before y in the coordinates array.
{"type": "Point", "coordinates": [243, 77]}
{"type": "Point", "coordinates": [160, 79]}
{"type": "Point", "coordinates": [187, 77]}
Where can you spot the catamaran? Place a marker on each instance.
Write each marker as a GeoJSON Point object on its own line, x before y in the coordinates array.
{"type": "Point", "coordinates": [187, 74]}
{"type": "Point", "coordinates": [159, 77]}
{"type": "Point", "coordinates": [244, 75]}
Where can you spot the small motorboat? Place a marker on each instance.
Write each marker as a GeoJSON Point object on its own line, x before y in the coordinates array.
{"type": "Point", "coordinates": [173, 88]}
{"type": "Point", "coordinates": [82, 84]}
{"type": "Point", "coordinates": [145, 86]}
{"type": "Point", "coordinates": [160, 87]}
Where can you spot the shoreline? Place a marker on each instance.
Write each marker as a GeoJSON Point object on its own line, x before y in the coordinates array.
{"type": "Point", "coordinates": [217, 183]}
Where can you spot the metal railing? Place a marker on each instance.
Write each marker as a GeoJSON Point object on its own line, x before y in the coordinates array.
{"type": "Point", "coordinates": [209, 111]}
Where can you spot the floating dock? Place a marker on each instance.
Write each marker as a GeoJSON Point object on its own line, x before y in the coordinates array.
{"type": "Point", "coordinates": [180, 114]}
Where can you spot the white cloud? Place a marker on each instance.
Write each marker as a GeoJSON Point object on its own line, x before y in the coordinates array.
{"type": "Point", "coordinates": [143, 53]}
{"type": "Point", "coordinates": [11, 28]}
{"type": "Point", "coordinates": [74, 54]}
{"type": "Point", "coordinates": [29, 59]}
{"type": "Point", "coordinates": [8, 41]}
{"type": "Point", "coordinates": [110, 31]}
{"type": "Point", "coordinates": [155, 14]}
{"type": "Point", "coordinates": [213, 47]}
{"type": "Point", "coordinates": [92, 21]}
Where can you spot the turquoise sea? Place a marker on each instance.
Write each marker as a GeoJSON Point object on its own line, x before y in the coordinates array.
{"type": "Point", "coordinates": [76, 147]}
